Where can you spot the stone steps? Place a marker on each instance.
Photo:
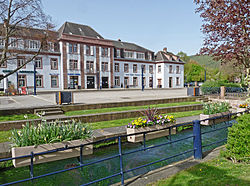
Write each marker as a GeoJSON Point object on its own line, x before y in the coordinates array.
{"type": "Point", "coordinates": [49, 111]}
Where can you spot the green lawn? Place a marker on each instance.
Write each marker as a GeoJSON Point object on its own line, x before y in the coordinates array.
{"type": "Point", "coordinates": [117, 109]}
{"type": "Point", "coordinates": [18, 117]}
{"type": "Point", "coordinates": [4, 135]}
{"type": "Point", "coordinates": [215, 172]}
{"type": "Point", "coordinates": [121, 122]}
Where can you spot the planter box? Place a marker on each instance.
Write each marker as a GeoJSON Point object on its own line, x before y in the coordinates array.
{"type": "Point", "coordinates": [240, 110]}
{"type": "Point", "coordinates": [21, 151]}
{"type": "Point", "coordinates": [151, 135]}
{"type": "Point", "coordinates": [216, 121]}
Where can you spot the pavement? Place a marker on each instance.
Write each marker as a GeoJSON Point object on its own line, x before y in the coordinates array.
{"type": "Point", "coordinates": [89, 97]}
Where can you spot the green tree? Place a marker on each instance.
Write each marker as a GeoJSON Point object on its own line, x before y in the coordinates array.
{"type": "Point", "coordinates": [193, 71]}
{"type": "Point", "coordinates": [183, 56]}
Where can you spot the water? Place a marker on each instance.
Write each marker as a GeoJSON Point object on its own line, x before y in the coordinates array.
{"type": "Point", "coordinates": [109, 167]}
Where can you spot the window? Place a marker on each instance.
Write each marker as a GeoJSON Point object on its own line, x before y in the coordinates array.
{"type": "Point", "coordinates": [128, 54]}
{"type": "Point", "coordinates": [32, 44]}
{"type": "Point", "coordinates": [89, 50]}
{"type": "Point", "coordinates": [104, 52]}
{"type": "Point", "coordinates": [177, 81]}
{"type": "Point", "coordinates": [104, 66]}
{"type": "Point", "coordinates": [134, 68]}
{"type": "Point", "coordinates": [72, 48]}
{"type": "Point", "coordinates": [140, 55]}
{"type": "Point", "coordinates": [39, 81]}
{"type": "Point", "coordinates": [90, 66]}
{"type": "Point", "coordinates": [38, 62]}
{"type": "Point", "coordinates": [51, 46]}
{"type": "Point", "coordinates": [4, 65]}
{"type": "Point", "coordinates": [54, 81]}
{"type": "Point", "coordinates": [170, 69]}
{"type": "Point", "coordinates": [126, 68]}
{"type": "Point", "coordinates": [149, 56]}
{"type": "Point", "coordinates": [73, 64]}
{"type": "Point", "coordinates": [178, 69]}
{"type": "Point", "coordinates": [144, 68]}
{"type": "Point", "coordinates": [21, 80]}
{"type": "Point", "coordinates": [135, 81]}
{"type": "Point", "coordinates": [20, 61]}
{"type": "Point", "coordinates": [116, 67]}
{"type": "Point", "coordinates": [54, 64]}
{"type": "Point", "coordinates": [126, 82]}
{"type": "Point", "coordinates": [144, 81]}
{"type": "Point", "coordinates": [118, 53]}
{"type": "Point", "coordinates": [151, 69]}
{"type": "Point", "coordinates": [159, 68]}
{"type": "Point", "coordinates": [117, 81]}
{"type": "Point", "coordinates": [13, 42]}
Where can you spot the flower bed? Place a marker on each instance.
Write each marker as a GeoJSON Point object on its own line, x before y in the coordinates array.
{"type": "Point", "coordinates": [50, 136]}
{"type": "Point", "coordinates": [216, 109]}
{"type": "Point", "coordinates": [142, 125]}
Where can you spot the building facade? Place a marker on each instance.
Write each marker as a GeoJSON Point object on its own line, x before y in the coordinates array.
{"type": "Point", "coordinates": [80, 58]}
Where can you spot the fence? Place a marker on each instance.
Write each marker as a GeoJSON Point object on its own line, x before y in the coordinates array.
{"type": "Point", "coordinates": [228, 91]}
{"type": "Point", "coordinates": [197, 150]}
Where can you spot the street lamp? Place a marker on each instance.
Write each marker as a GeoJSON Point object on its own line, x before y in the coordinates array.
{"type": "Point", "coordinates": [142, 82]}
{"type": "Point", "coordinates": [34, 77]}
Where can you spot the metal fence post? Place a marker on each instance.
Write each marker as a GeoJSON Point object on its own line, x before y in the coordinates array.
{"type": "Point", "coordinates": [121, 164]}
{"type": "Point", "coordinates": [197, 139]}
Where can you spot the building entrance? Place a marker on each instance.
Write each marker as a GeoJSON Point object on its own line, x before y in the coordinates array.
{"type": "Point", "coordinates": [90, 82]}
{"type": "Point", "coordinates": [105, 82]}
{"type": "Point", "coordinates": [73, 82]}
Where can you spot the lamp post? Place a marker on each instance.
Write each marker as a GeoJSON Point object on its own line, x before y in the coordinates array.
{"type": "Point", "coordinates": [34, 77]}
{"type": "Point", "coordinates": [142, 82]}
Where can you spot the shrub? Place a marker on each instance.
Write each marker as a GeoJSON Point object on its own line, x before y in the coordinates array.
{"type": "Point", "coordinates": [214, 108]}
{"type": "Point", "coordinates": [238, 142]}
{"type": "Point", "coordinates": [212, 87]}
{"type": "Point", "coordinates": [50, 133]}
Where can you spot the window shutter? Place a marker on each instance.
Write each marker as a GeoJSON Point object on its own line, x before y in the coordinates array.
{"type": "Point", "coordinates": [153, 56]}
{"type": "Point", "coordinates": [91, 50]}
{"type": "Point", "coordinates": [146, 55]}
{"type": "Point", "coordinates": [115, 54]}
{"type": "Point", "coordinates": [122, 53]}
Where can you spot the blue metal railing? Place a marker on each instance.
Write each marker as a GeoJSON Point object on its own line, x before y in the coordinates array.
{"type": "Point", "coordinates": [197, 150]}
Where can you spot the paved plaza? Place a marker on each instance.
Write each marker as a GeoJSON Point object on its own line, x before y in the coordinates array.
{"type": "Point", "coordinates": [90, 97]}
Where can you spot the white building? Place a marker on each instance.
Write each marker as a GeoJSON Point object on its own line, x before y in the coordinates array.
{"type": "Point", "coordinates": [78, 57]}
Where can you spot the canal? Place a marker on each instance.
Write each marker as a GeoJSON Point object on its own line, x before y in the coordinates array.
{"type": "Point", "coordinates": [109, 167]}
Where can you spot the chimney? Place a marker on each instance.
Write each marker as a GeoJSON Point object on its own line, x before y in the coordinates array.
{"type": "Point", "coordinates": [119, 40]}
{"type": "Point", "coordinates": [165, 49]}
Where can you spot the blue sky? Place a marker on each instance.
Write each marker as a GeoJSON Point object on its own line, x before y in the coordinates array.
{"type": "Point", "coordinates": [153, 24]}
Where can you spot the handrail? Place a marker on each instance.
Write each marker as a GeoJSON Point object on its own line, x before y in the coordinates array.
{"type": "Point", "coordinates": [121, 154]}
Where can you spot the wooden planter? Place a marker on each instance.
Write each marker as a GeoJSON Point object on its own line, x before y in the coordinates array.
{"type": "Point", "coordinates": [215, 121]}
{"type": "Point", "coordinates": [21, 151]}
{"type": "Point", "coordinates": [151, 135]}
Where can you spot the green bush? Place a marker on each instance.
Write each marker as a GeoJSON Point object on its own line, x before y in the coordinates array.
{"type": "Point", "coordinates": [216, 107]}
{"type": "Point", "coordinates": [238, 142]}
{"type": "Point", "coordinates": [210, 87]}
{"type": "Point", "coordinates": [50, 133]}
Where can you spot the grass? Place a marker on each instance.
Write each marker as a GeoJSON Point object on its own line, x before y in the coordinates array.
{"type": "Point", "coordinates": [118, 109]}
{"type": "Point", "coordinates": [4, 135]}
{"type": "Point", "coordinates": [219, 171]}
{"type": "Point", "coordinates": [121, 122]}
{"type": "Point", "coordinates": [17, 117]}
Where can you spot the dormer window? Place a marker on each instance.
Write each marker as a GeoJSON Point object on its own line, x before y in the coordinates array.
{"type": "Point", "coordinates": [129, 54]}
{"type": "Point", "coordinates": [140, 55]}
{"type": "Point", "coordinates": [118, 53]}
